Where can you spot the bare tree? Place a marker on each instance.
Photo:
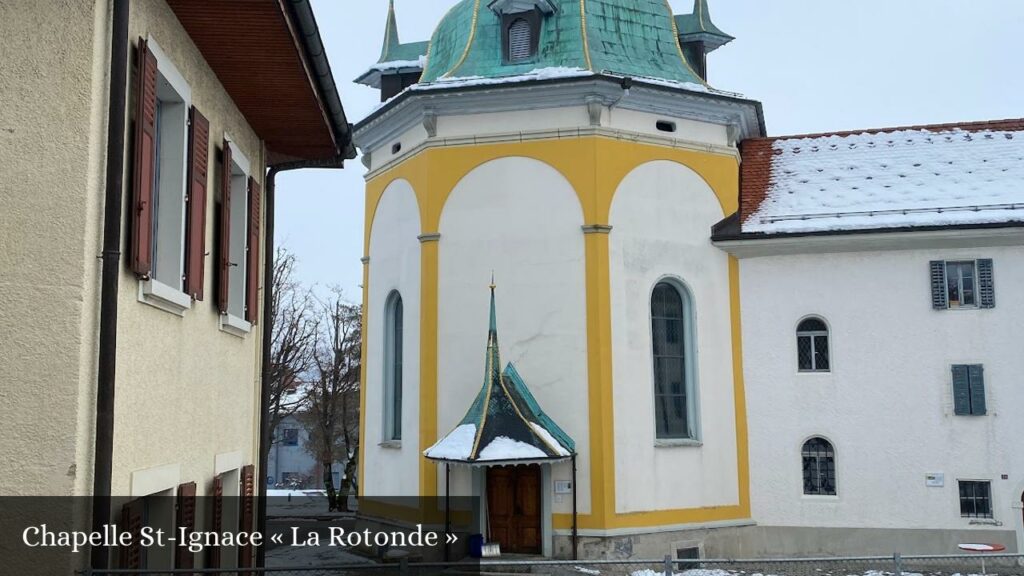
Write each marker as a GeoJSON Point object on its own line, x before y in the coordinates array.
{"type": "Point", "coordinates": [331, 408]}
{"type": "Point", "coordinates": [294, 336]}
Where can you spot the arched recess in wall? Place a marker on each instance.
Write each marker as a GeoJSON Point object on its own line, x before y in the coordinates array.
{"type": "Point", "coordinates": [394, 269]}
{"type": "Point", "coordinates": [521, 219]}
{"type": "Point", "coordinates": [661, 217]}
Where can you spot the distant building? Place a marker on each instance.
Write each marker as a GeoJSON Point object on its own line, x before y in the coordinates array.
{"type": "Point", "coordinates": [291, 464]}
{"type": "Point", "coordinates": [753, 346]}
{"type": "Point", "coordinates": [132, 354]}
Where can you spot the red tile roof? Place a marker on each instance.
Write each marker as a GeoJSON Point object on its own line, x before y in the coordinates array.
{"type": "Point", "coordinates": [773, 168]}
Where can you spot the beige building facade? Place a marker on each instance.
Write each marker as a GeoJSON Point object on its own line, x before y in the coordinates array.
{"type": "Point", "coordinates": [187, 362]}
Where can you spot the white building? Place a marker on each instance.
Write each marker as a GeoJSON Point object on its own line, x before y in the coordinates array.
{"type": "Point", "coordinates": [896, 256]}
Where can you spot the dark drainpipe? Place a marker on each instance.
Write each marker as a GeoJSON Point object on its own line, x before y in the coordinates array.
{"type": "Point", "coordinates": [265, 440]}
{"type": "Point", "coordinates": [107, 361]}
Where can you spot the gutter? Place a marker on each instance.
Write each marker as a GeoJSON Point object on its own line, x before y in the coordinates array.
{"type": "Point", "coordinates": [112, 217]}
{"type": "Point", "coordinates": [301, 14]}
{"type": "Point", "coordinates": [265, 439]}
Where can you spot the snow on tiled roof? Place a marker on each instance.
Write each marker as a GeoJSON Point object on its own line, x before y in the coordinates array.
{"type": "Point", "coordinates": [952, 174]}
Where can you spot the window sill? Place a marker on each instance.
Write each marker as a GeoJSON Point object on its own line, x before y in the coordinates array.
{"type": "Point", "coordinates": [391, 444]}
{"type": "Point", "coordinates": [823, 498]}
{"type": "Point", "coordinates": [162, 296]}
{"type": "Point", "coordinates": [678, 443]}
{"type": "Point", "coordinates": [234, 325]}
{"type": "Point", "coordinates": [985, 522]}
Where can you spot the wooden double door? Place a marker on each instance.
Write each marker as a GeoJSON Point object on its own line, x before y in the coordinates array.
{"type": "Point", "coordinates": [514, 508]}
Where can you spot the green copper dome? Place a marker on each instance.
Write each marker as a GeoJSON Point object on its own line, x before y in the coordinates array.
{"type": "Point", "coordinates": [625, 37]}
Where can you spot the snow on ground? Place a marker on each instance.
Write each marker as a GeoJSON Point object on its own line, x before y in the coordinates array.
{"type": "Point", "coordinates": [893, 179]}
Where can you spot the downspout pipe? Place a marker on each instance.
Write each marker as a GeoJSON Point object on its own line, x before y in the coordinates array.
{"type": "Point", "coordinates": [112, 216]}
{"type": "Point", "coordinates": [265, 439]}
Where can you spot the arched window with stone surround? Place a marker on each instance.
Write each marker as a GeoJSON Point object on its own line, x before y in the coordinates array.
{"type": "Point", "coordinates": [672, 338]}
{"type": "Point", "coordinates": [393, 328]}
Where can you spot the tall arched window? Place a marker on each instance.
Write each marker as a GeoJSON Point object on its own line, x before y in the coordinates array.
{"type": "Point", "coordinates": [520, 40]}
{"type": "Point", "coordinates": [812, 346]}
{"type": "Point", "coordinates": [671, 332]}
{"type": "Point", "coordinates": [819, 461]}
{"type": "Point", "coordinates": [393, 367]}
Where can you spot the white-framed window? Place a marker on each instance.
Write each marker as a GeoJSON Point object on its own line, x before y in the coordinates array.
{"type": "Point", "coordinates": [165, 287]}
{"type": "Point", "coordinates": [962, 284]}
{"type": "Point", "coordinates": [673, 353]}
{"type": "Point", "coordinates": [819, 467]}
{"type": "Point", "coordinates": [975, 499]}
{"type": "Point", "coordinates": [812, 346]}
{"type": "Point", "coordinates": [238, 274]}
{"type": "Point", "coordinates": [393, 336]}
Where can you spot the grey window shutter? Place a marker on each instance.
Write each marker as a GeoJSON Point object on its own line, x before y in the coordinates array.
{"type": "Point", "coordinates": [986, 284]}
{"type": "Point", "coordinates": [961, 391]}
{"type": "Point", "coordinates": [939, 297]}
{"type": "Point", "coordinates": [520, 43]}
{"type": "Point", "coordinates": [976, 373]}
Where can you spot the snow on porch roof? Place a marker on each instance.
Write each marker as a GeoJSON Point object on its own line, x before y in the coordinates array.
{"type": "Point", "coordinates": [505, 423]}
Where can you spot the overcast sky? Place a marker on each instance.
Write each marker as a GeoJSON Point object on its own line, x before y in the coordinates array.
{"type": "Point", "coordinates": [817, 65]}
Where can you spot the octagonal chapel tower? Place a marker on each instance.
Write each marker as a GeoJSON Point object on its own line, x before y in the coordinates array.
{"type": "Point", "coordinates": [574, 149]}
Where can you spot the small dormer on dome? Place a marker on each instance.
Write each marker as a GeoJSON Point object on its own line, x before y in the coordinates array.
{"type": "Point", "coordinates": [400, 65]}
{"type": "Point", "coordinates": [508, 7]}
{"type": "Point", "coordinates": [520, 27]}
{"type": "Point", "coordinates": [699, 36]}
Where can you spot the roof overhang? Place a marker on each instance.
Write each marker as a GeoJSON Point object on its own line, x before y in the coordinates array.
{"type": "Point", "coordinates": [751, 245]}
{"type": "Point", "coordinates": [269, 56]}
{"type": "Point", "coordinates": [406, 110]}
{"type": "Point", "coordinates": [517, 6]}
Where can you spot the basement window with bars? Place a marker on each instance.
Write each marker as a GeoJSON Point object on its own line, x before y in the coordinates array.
{"type": "Point", "coordinates": [962, 284]}
{"type": "Point", "coordinates": [975, 499]}
{"type": "Point", "coordinates": [819, 464]}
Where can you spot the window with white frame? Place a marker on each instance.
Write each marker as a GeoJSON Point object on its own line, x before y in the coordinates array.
{"type": "Point", "coordinates": [238, 243]}
{"type": "Point", "coordinates": [675, 410]}
{"type": "Point", "coordinates": [393, 329]}
{"type": "Point", "coordinates": [962, 284]}
{"type": "Point", "coordinates": [812, 349]}
{"type": "Point", "coordinates": [975, 499]}
{"type": "Point", "coordinates": [173, 98]}
{"type": "Point", "coordinates": [819, 467]}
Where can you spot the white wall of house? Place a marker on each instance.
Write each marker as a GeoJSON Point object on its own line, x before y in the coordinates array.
{"type": "Point", "coordinates": [660, 218]}
{"type": "Point", "coordinates": [521, 219]}
{"type": "Point", "coordinates": [392, 468]}
{"type": "Point", "coordinates": [887, 404]}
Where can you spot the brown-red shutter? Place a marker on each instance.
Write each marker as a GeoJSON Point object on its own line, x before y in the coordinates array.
{"type": "Point", "coordinates": [224, 242]}
{"type": "Point", "coordinates": [186, 519]}
{"type": "Point", "coordinates": [252, 269]}
{"type": "Point", "coordinates": [245, 524]}
{"type": "Point", "coordinates": [195, 224]}
{"type": "Point", "coordinates": [141, 248]}
{"type": "Point", "coordinates": [217, 519]}
{"type": "Point", "coordinates": [131, 522]}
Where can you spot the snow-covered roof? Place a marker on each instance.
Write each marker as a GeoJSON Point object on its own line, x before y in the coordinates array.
{"type": "Point", "coordinates": [924, 176]}
{"type": "Point", "coordinates": [504, 423]}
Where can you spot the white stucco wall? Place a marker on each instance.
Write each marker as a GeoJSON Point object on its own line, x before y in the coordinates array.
{"type": "Point", "coordinates": [394, 265]}
{"type": "Point", "coordinates": [522, 220]}
{"type": "Point", "coordinates": [660, 218]}
{"type": "Point", "coordinates": [887, 404]}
